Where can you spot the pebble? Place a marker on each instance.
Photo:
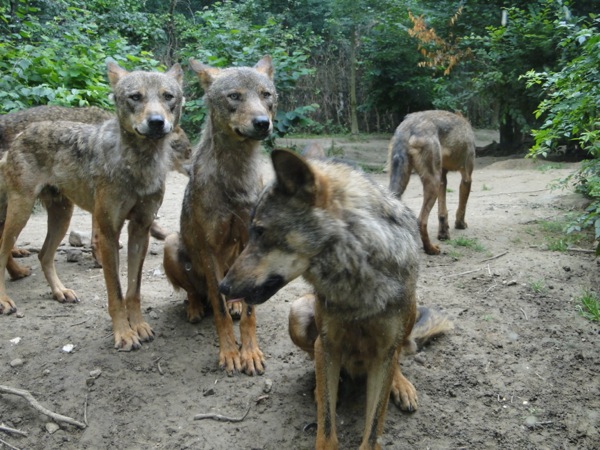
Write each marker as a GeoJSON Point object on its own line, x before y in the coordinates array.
{"type": "Point", "coordinates": [95, 373]}
{"type": "Point", "coordinates": [268, 386]}
{"type": "Point", "coordinates": [18, 362]}
{"type": "Point", "coordinates": [52, 428]}
{"type": "Point", "coordinates": [76, 239]}
{"type": "Point", "coordinates": [420, 359]}
{"type": "Point", "coordinates": [153, 315]}
{"type": "Point", "coordinates": [73, 255]}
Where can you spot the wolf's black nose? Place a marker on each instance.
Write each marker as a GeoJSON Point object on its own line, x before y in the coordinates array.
{"type": "Point", "coordinates": [224, 288]}
{"type": "Point", "coordinates": [261, 123]}
{"type": "Point", "coordinates": [156, 122]}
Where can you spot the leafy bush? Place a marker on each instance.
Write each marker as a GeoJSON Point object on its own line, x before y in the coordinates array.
{"type": "Point", "coordinates": [570, 114]}
{"type": "Point", "coordinates": [226, 35]}
{"type": "Point", "coordinates": [59, 60]}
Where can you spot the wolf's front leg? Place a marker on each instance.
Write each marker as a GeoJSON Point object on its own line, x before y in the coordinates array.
{"type": "Point", "coordinates": [136, 253]}
{"type": "Point", "coordinates": [252, 358]}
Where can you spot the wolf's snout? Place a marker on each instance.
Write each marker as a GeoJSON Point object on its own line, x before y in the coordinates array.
{"type": "Point", "coordinates": [224, 288]}
{"type": "Point", "coordinates": [261, 123]}
{"type": "Point", "coordinates": [156, 123]}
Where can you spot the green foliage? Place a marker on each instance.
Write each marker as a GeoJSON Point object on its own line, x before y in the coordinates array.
{"type": "Point", "coordinates": [462, 241]}
{"type": "Point", "coordinates": [59, 60]}
{"type": "Point", "coordinates": [569, 111]}
{"type": "Point", "coordinates": [589, 306]}
{"type": "Point", "coordinates": [224, 35]}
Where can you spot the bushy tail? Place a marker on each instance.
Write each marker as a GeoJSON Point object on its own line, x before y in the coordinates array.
{"type": "Point", "coordinates": [397, 165]}
{"type": "Point", "coordinates": [430, 323]}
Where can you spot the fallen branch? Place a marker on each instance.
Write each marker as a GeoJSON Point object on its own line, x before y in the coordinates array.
{"type": "Point", "coordinates": [580, 250]}
{"type": "Point", "coordinates": [27, 396]}
{"type": "Point", "coordinates": [493, 257]}
{"type": "Point", "coordinates": [4, 443]}
{"type": "Point", "coordinates": [12, 430]}
{"type": "Point", "coordinates": [221, 418]}
{"type": "Point", "coordinates": [461, 273]}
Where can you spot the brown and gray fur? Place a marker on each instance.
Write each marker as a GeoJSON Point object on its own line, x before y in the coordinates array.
{"type": "Point", "coordinates": [433, 143]}
{"type": "Point", "coordinates": [357, 246]}
{"type": "Point", "coordinates": [15, 122]}
{"type": "Point", "coordinates": [116, 170]}
{"type": "Point", "coordinates": [224, 184]}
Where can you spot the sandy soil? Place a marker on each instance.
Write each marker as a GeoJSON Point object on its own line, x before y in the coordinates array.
{"type": "Point", "coordinates": [520, 370]}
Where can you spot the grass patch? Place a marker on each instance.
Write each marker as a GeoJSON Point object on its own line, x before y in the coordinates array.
{"type": "Point", "coordinates": [473, 244]}
{"type": "Point", "coordinates": [550, 166]}
{"type": "Point", "coordinates": [538, 286]}
{"type": "Point", "coordinates": [556, 237]}
{"type": "Point", "coordinates": [589, 306]}
{"type": "Point", "coordinates": [486, 187]}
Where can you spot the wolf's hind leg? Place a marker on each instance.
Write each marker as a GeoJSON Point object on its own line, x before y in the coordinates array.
{"type": "Point", "coordinates": [60, 210]}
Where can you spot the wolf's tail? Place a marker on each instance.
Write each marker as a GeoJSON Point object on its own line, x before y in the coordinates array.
{"type": "Point", "coordinates": [397, 164]}
{"type": "Point", "coordinates": [430, 323]}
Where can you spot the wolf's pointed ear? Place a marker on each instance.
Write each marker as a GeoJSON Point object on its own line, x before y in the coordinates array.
{"type": "Point", "coordinates": [265, 65]}
{"type": "Point", "coordinates": [115, 72]}
{"type": "Point", "coordinates": [206, 74]}
{"type": "Point", "coordinates": [295, 177]}
{"type": "Point", "coordinates": [176, 72]}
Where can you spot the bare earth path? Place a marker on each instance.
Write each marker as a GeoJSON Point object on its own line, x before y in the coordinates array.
{"type": "Point", "coordinates": [520, 370]}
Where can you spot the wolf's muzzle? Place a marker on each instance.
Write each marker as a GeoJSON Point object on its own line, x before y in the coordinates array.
{"type": "Point", "coordinates": [255, 294]}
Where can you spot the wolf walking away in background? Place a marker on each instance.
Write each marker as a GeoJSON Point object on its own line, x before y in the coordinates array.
{"type": "Point", "coordinates": [357, 245]}
{"type": "Point", "coordinates": [432, 143]}
{"type": "Point", "coordinates": [116, 170]}
{"type": "Point", "coordinates": [224, 185]}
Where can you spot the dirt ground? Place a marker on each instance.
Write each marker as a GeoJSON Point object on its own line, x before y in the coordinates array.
{"type": "Point", "coordinates": [520, 370]}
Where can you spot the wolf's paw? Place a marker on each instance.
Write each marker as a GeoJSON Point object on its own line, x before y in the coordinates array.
{"type": "Point", "coordinates": [7, 306]}
{"type": "Point", "coordinates": [432, 249]}
{"type": "Point", "coordinates": [460, 225]}
{"type": "Point", "coordinates": [127, 340]}
{"type": "Point", "coordinates": [230, 361]}
{"type": "Point", "coordinates": [144, 331]}
{"type": "Point", "coordinates": [404, 394]}
{"type": "Point", "coordinates": [235, 309]}
{"type": "Point", "coordinates": [66, 296]}
{"type": "Point", "coordinates": [17, 252]}
{"type": "Point", "coordinates": [195, 313]}
{"type": "Point", "coordinates": [253, 361]}
{"type": "Point", "coordinates": [18, 271]}
{"type": "Point", "coordinates": [443, 235]}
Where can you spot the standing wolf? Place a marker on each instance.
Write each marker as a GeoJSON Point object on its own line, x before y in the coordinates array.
{"type": "Point", "coordinates": [357, 245]}
{"type": "Point", "coordinates": [15, 122]}
{"type": "Point", "coordinates": [432, 143]}
{"type": "Point", "coordinates": [223, 187]}
{"type": "Point", "coordinates": [116, 170]}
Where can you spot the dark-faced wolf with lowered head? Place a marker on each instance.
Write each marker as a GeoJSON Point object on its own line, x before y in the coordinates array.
{"type": "Point", "coordinates": [357, 246]}
{"type": "Point", "coordinates": [433, 143]}
{"type": "Point", "coordinates": [224, 184]}
{"type": "Point", "coordinates": [116, 170]}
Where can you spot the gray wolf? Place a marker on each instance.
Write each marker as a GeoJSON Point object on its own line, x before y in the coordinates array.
{"type": "Point", "coordinates": [13, 123]}
{"type": "Point", "coordinates": [357, 246]}
{"type": "Point", "coordinates": [116, 170]}
{"type": "Point", "coordinates": [224, 184]}
{"type": "Point", "coordinates": [432, 143]}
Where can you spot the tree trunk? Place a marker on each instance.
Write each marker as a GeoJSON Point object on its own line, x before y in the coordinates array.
{"type": "Point", "coordinates": [353, 114]}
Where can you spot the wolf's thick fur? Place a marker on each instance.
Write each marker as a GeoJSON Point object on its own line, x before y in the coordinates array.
{"type": "Point", "coordinates": [13, 123]}
{"type": "Point", "coordinates": [357, 245]}
{"type": "Point", "coordinates": [116, 170]}
{"type": "Point", "coordinates": [223, 187]}
{"type": "Point", "coordinates": [432, 143]}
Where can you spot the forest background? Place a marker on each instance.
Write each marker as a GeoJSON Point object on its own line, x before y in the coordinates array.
{"type": "Point", "coordinates": [530, 69]}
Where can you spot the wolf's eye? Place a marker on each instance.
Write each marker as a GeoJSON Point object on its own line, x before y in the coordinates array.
{"type": "Point", "coordinates": [168, 97]}
{"type": "Point", "coordinates": [235, 96]}
{"type": "Point", "coordinates": [266, 95]}
{"type": "Point", "coordinates": [135, 97]}
{"type": "Point", "coordinates": [257, 231]}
